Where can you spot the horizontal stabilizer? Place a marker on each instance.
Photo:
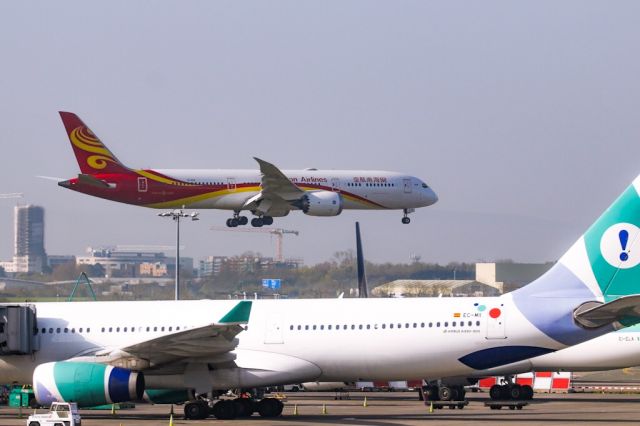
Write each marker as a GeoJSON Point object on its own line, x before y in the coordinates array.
{"type": "Point", "coordinates": [91, 180]}
{"type": "Point", "coordinates": [53, 178]}
{"type": "Point", "coordinates": [625, 309]}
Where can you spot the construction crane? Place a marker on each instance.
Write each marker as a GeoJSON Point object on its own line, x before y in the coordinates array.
{"type": "Point", "coordinates": [12, 195]}
{"type": "Point", "coordinates": [278, 232]}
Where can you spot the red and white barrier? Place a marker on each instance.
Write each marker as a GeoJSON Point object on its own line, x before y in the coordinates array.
{"type": "Point", "coordinates": [540, 381]}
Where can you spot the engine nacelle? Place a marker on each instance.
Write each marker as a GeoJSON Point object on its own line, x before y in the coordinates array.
{"type": "Point", "coordinates": [87, 384]}
{"type": "Point", "coordinates": [321, 203]}
{"type": "Point", "coordinates": [169, 396]}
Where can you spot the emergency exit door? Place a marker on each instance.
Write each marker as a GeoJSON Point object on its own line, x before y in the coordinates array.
{"type": "Point", "coordinates": [496, 318]}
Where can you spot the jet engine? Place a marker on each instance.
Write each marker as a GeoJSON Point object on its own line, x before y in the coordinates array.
{"type": "Point", "coordinates": [87, 384]}
{"type": "Point", "coordinates": [321, 203]}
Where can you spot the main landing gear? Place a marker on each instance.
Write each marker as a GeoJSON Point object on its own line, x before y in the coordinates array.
{"type": "Point", "coordinates": [442, 393]}
{"type": "Point", "coordinates": [237, 220]}
{"type": "Point", "coordinates": [229, 409]}
{"type": "Point", "coordinates": [511, 392]}
{"type": "Point", "coordinates": [256, 222]}
{"type": "Point", "coordinates": [406, 219]}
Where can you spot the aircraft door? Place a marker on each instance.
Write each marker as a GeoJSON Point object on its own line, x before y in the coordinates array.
{"type": "Point", "coordinates": [142, 184]}
{"type": "Point", "coordinates": [273, 332]}
{"type": "Point", "coordinates": [335, 184]}
{"type": "Point", "coordinates": [407, 185]}
{"type": "Point", "coordinates": [496, 317]}
{"type": "Point", "coordinates": [231, 184]}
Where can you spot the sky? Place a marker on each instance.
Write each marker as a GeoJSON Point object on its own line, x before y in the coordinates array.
{"type": "Point", "coordinates": [523, 116]}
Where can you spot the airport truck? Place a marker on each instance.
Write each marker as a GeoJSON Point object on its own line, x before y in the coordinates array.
{"type": "Point", "coordinates": [60, 414]}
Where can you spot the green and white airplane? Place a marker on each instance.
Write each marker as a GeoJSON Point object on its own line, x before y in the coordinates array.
{"type": "Point", "coordinates": [102, 352]}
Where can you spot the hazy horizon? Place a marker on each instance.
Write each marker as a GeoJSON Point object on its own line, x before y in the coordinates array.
{"type": "Point", "coordinates": [522, 116]}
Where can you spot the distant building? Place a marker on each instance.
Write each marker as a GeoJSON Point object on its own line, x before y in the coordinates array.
{"type": "Point", "coordinates": [428, 288]}
{"type": "Point", "coordinates": [214, 265]}
{"type": "Point", "coordinates": [509, 276]}
{"type": "Point", "coordinates": [492, 279]}
{"type": "Point", "coordinates": [29, 254]}
{"type": "Point", "coordinates": [60, 259]}
{"type": "Point", "coordinates": [157, 269]}
{"type": "Point", "coordinates": [123, 262]}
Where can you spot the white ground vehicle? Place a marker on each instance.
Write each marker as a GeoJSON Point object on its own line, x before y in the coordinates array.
{"type": "Point", "coordinates": [60, 414]}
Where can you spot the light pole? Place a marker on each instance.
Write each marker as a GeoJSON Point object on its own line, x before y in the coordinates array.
{"type": "Point", "coordinates": [176, 215]}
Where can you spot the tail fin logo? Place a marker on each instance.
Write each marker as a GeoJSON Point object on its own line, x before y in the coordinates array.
{"type": "Point", "coordinates": [83, 138]}
{"type": "Point", "coordinates": [615, 245]}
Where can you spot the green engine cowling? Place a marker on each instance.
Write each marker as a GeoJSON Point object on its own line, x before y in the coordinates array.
{"type": "Point", "coordinates": [87, 384]}
{"type": "Point", "coordinates": [169, 396]}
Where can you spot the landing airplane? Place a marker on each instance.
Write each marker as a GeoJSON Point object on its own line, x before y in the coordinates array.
{"type": "Point", "coordinates": [95, 353]}
{"type": "Point", "coordinates": [266, 194]}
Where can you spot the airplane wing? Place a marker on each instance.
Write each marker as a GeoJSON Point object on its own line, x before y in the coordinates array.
{"type": "Point", "coordinates": [211, 341]}
{"type": "Point", "coordinates": [277, 190]}
{"type": "Point", "coordinates": [625, 309]}
{"type": "Point", "coordinates": [276, 183]}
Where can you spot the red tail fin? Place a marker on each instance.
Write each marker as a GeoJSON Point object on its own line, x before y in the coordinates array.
{"type": "Point", "coordinates": [92, 155]}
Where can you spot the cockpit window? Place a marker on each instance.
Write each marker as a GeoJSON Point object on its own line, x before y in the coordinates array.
{"type": "Point", "coordinates": [424, 185]}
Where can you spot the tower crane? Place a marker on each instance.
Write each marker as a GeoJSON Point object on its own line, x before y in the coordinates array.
{"type": "Point", "coordinates": [278, 232]}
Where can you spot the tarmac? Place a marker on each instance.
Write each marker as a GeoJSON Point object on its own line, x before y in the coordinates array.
{"type": "Point", "coordinates": [386, 409]}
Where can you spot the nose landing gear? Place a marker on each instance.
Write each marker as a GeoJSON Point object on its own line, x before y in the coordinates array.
{"type": "Point", "coordinates": [405, 219]}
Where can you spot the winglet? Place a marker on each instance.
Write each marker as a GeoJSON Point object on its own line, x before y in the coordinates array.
{"type": "Point", "coordinates": [239, 314]}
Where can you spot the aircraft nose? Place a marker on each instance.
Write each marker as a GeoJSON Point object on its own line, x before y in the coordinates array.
{"type": "Point", "coordinates": [431, 196]}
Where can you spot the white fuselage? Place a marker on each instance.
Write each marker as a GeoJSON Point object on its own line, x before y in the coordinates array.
{"type": "Point", "coordinates": [360, 189]}
{"type": "Point", "coordinates": [288, 341]}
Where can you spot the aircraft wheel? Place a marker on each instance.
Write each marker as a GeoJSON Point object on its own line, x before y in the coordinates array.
{"type": "Point", "coordinates": [431, 393]}
{"type": "Point", "coordinates": [527, 392]}
{"type": "Point", "coordinates": [406, 220]}
{"type": "Point", "coordinates": [224, 410]}
{"type": "Point", "coordinates": [243, 220]}
{"type": "Point", "coordinates": [196, 410]}
{"type": "Point", "coordinates": [495, 392]}
{"type": "Point", "coordinates": [234, 222]}
{"type": "Point", "coordinates": [244, 407]}
{"type": "Point", "coordinates": [267, 220]}
{"type": "Point", "coordinates": [33, 403]}
{"type": "Point", "coordinates": [515, 392]}
{"type": "Point", "coordinates": [445, 393]}
{"type": "Point", "coordinates": [270, 407]}
{"type": "Point", "coordinates": [256, 222]}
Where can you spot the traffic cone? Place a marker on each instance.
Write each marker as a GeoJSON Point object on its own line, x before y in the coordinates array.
{"type": "Point", "coordinates": [364, 404]}
{"type": "Point", "coordinates": [295, 410]}
{"type": "Point", "coordinates": [171, 420]}
{"type": "Point", "coordinates": [324, 408]}
{"type": "Point", "coordinates": [431, 407]}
